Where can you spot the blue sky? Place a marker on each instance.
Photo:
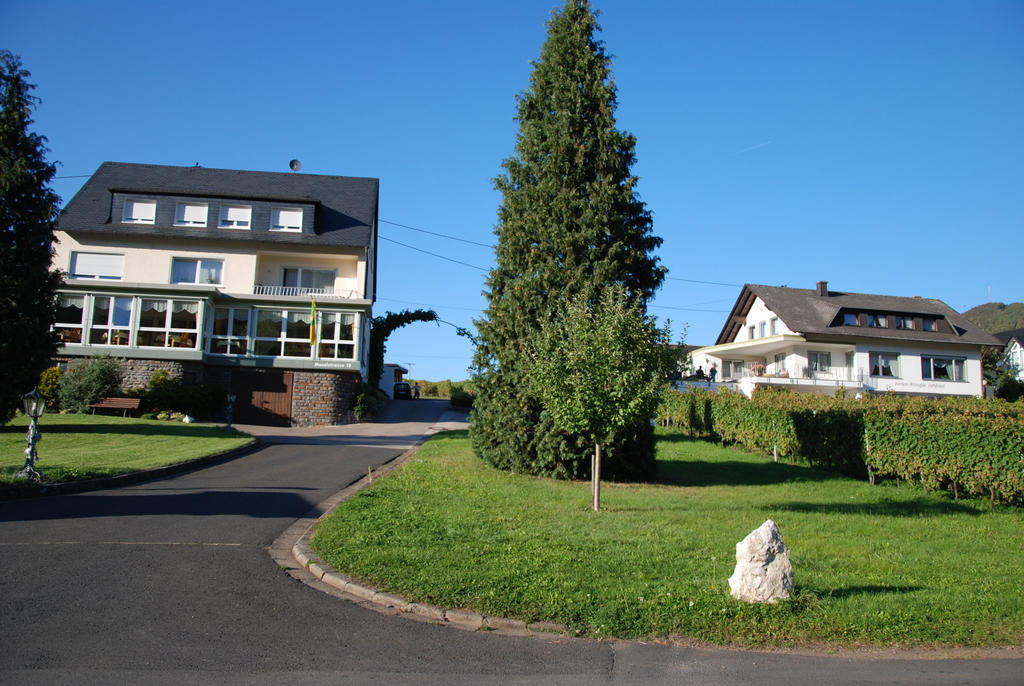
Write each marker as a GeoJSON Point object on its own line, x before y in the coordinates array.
{"type": "Point", "coordinates": [875, 145]}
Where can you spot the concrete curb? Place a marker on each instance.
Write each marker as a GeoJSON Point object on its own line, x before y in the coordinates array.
{"type": "Point", "coordinates": [293, 554]}
{"type": "Point", "coordinates": [64, 488]}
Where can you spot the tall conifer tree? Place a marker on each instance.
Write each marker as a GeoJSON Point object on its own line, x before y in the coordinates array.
{"type": "Point", "coordinates": [28, 211]}
{"type": "Point", "coordinates": [570, 222]}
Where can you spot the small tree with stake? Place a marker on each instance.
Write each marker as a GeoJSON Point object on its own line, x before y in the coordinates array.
{"type": "Point", "coordinates": [598, 367]}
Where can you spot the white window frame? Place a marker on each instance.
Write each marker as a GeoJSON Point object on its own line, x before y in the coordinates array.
{"type": "Point", "coordinates": [286, 344]}
{"type": "Point", "coordinates": [227, 222]}
{"type": "Point", "coordinates": [97, 265]}
{"type": "Point", "coordinates": [235, 336]}
{"type": "Point", "coordinates": [300, 272]}
{"type": "Point", "coordinates": [132, 215]}
{"type": "Point", "coordinates": [819, 361]}
{"type": "Point", "coordinates": [875, 359]}
{"type": "Point", "coordinates": [188, 214]}
{"type": "Point", "coordinates": [279, 215]}
{"type": "Point", "coordinates": [332, 341]}
{"type": "Point", "coordinates": [200, 262]}
{"type": "Point", "coordinates": [957, 365]}
{"type": "Point", "coordinates": [172, 336]}
{"type": "Point", "coordinates": [774, 326]}
{"type": "Point", "coordinates": [70, 332]}
{"type": "Point", "coordinates": [109, 327]}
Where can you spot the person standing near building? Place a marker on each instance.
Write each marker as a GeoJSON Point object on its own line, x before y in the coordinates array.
{"type": "Point", "coordinates": [415, 391]}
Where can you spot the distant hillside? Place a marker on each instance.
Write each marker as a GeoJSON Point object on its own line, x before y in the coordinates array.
{"type": "Point", "coordinates": [996, 317]}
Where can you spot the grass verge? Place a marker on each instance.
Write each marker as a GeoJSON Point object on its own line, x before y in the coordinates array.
{"type": "Point", "coordinates": [874, 565]}
{"type": "Point", "coordinates": [80, 446]}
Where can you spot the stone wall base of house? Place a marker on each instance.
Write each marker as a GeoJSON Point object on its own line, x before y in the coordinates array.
{"type": "Point", "coordinates": [314, 398]}
{"type": "Point", "coordinates": [320, 398]}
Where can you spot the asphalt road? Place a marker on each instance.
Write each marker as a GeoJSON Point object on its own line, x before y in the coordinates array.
{"type": "Point", "coordinates": [169, 582]}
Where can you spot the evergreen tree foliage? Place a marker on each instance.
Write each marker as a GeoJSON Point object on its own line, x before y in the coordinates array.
{"type": "Point", "coordinates": [380, 329]}
{"type": "Point", "coordinates": [569, 222]}
{"type": "Point", "coordinates": [28, 212]}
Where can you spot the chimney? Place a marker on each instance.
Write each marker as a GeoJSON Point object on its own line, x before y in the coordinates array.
{"type": "Point", "coordinates": [823, 289]}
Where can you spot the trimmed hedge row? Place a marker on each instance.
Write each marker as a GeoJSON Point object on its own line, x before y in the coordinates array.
{"type": "Point", "coordinates": [963, 443]}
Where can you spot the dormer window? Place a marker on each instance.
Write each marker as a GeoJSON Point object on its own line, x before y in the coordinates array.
{"type": "Point", "coordinates": [286, 219]}
{"type": "Point", "coordinates": [878, 321]}
{"type": "Point", "coordinates": [190, 214]}
{"type": "Point", "coordinates": [139, 212]}
{"type": "Point", "coordinates": [851, 319]}
{"type": "Point", "coordinates": [928, 324]}
{"type": "Point", "coordinates": [904, 322]}
{"type": "Point", "coordinates": [235, 217]}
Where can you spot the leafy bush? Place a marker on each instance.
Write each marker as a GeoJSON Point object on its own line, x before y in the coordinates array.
{"type": "Point", "coordinates": [368, 402]}
{"type": "Point", "coordinates": [1010, 390]}
{"type": "Point", "coordinates": [89, 379]}
{"type": "Point", "coordinates": [49, 387]}
{"type": "Point", "coordinates": [170, 394]}
{"type": "Point", "coordinates": [461, 398]}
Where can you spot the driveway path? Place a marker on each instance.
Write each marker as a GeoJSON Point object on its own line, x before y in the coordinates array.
{"type": "Point", "coordinates": [169, 582]}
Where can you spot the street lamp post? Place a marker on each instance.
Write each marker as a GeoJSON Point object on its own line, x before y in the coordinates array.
{"type": "Point", "coordinates": [34, 405]}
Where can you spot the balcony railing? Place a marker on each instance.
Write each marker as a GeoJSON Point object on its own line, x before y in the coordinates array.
{"type": "Point", "coordinates": [302, 291]}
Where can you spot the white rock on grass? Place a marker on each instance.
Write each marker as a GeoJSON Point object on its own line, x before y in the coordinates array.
{"type": "Point", "coordinates": [763, 572]}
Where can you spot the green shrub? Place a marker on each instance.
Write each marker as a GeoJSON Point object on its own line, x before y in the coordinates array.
{"type": "Point", "coordinates": [49, 387]}
{"type": "Point", "coordinates": [88, 379]}
{"type": "Point", "coordinates": [1010, 389]}
{"type": "Point", "coordinates": [368, 402]}
{"type": "Point", "coordinates": [965, 444]}
{"type": "Point", "coordinates": [461, 398]}
{"type": "Point", "coordinates": [166, 393]}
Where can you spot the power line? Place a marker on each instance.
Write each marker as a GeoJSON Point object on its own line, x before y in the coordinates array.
{"type": "Point", "coordinates": [710, 283]}
{"type": "Point", "coordinates": [433, 254]}
{"type": "Point", "coordinates": [434, 233]}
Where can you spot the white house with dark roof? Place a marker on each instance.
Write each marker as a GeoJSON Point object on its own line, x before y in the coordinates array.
{"type": "Point", "coordinates": [262, 282]}
{"type": "Point", "coordinates": [820, 340]}
{"type": "Point", "coordinates": [1013, 350]}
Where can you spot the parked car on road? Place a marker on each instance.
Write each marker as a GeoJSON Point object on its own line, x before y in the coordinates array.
{"type": "Point", "coordinates": [402, 390]}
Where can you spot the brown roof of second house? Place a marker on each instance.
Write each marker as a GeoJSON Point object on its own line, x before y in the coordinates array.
{"type": "Point", "coordinates": [818, 313]}
{"type": "Point", "coordinates": [1006, 336]}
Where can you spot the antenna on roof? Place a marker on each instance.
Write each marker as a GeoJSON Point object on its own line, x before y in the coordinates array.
{"type": "Point", "coordinates": [295, 165]}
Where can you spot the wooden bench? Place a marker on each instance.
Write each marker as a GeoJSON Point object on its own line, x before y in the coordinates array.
{"type": "Point", "coordinates": [124, 404]}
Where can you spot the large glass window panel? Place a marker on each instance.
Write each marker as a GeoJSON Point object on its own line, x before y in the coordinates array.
{"type": "Point", "coordinates": [268, 323]}
{"type": "Point", "coordinates": [271, 348]}
{"type": "Point", "coordinates": [70, 309]}
{"type": "Point", "coordinates": [183, 271]}
{"type": "Point", "coordinates": [884, 364]}
{"type": "Point", "coordinates": [220, 321]}
{"type": "Point", "coordinates": [240, 323]}
{"type": "Point", "coordinates": [298, 325]}
{"type": "Point", "coordinates": [153, 314]}
{"type": "Point", "coordinates": [184, 314]}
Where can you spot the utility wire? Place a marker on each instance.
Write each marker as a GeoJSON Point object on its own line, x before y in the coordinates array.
{"type": "Point", "coordinates": [433, 254]}
{"type": "Point", "coordinates": [711, 283]}
{"type": "Point", "coordinates": [434, 233]}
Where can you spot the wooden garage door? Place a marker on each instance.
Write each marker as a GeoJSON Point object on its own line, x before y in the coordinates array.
{"type": "Point", "coordinates": [263, 397]}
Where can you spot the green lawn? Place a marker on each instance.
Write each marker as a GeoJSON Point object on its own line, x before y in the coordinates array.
{"type": "Point", "coordinates": [81, 446]}
{"type": "Point", "coordinates": [873, 564]}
